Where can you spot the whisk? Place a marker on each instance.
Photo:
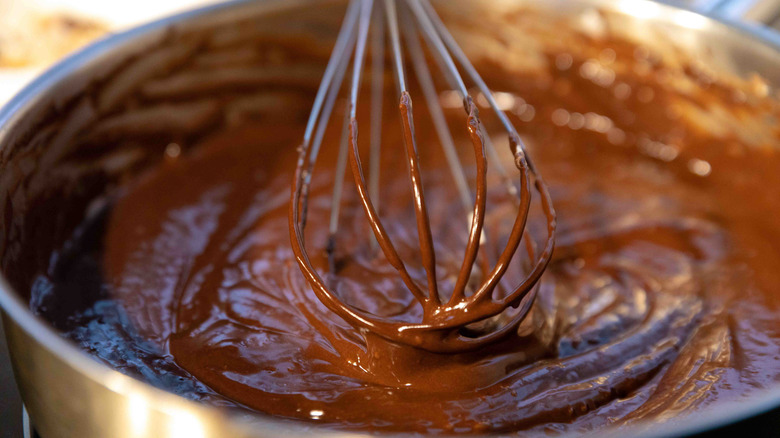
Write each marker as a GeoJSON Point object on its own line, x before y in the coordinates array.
{"type": "Point", "coordinates": [457, 323]}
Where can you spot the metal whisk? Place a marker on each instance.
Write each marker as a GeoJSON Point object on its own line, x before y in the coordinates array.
{"type": "Point", "coordinates": [459, 322]}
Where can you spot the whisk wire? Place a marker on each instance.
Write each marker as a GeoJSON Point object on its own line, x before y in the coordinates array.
{"type": "Point", "coordinates": [338, 189]}
{"type": "Point", "coordinates": [360, 55]}
{"type": "Point", "coordinates": [377, 93]}
{"type": "Point", "coordinates": [395, 44]}
{"type": "Point", "coordinates": [476, 213]}
{"type": "Point", "coordinates": [323, 106]}
{"type": "Point", "coordinates": [357, 171]}
{"type": "Point", "coordinates": [428, 88]}
{"type": "Point", "coordinates": [440, 51]}
{"type": "Point", "coordinates": [337, 57]}
{"type": "Point", "coordinates": [425, 13]}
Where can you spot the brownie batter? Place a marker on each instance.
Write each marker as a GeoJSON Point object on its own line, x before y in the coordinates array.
{"type": "Point", "coordinates": [661, 297]}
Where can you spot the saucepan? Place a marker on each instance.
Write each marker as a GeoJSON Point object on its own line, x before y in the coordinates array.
{"type": "Point", "coordinates": [68, 393]}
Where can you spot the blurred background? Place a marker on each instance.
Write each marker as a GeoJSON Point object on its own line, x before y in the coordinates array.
{"type": "Point", "coordinates": [34, 34]}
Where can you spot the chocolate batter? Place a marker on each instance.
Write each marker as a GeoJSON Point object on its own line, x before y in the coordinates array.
{"type": "Point", "coordinates": [660, 299]}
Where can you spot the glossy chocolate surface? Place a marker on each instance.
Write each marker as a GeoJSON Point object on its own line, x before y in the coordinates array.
{"type": "Point", "coordinates": [660, 299]}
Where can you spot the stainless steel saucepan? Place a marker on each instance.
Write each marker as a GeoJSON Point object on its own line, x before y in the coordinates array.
{"type": "Point", "coordinates": [69, 394]}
